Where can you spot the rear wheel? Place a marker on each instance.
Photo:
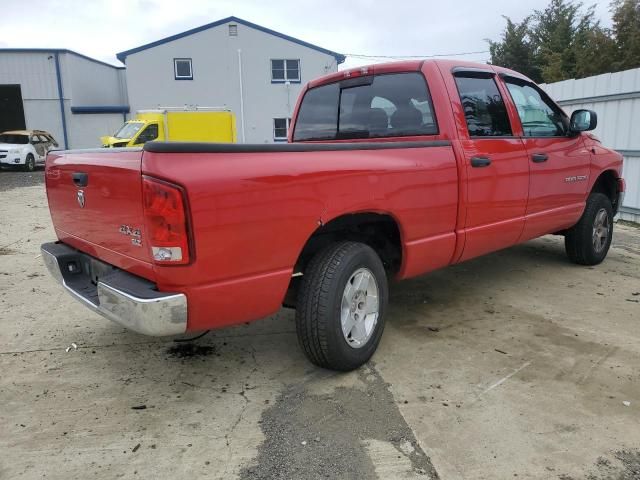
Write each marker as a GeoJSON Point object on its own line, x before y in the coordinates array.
{"type": "Point", "coordinates": [341, 306]}
{"type": "Point", "coordinates": [29, 164]}
{"type": "Point", "coordinates": [588, 241]}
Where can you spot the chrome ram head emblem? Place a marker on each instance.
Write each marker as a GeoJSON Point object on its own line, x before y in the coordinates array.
{"type": "Point", "coordinates": [80, 198]}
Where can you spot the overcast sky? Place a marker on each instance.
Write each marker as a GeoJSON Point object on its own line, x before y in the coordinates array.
{"type": "Point", "coordinates": [101, 28]}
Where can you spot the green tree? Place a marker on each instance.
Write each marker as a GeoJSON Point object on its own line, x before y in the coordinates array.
{"type": "Point", "coordinates": [595, 51]}
{"type": "Point", "coordinates": [515, 49]}
{"type": "Point", "coordinates": [566, 41]}
{"type": "Point", "coordinates": [553, 33]}
{"type": "Point", "coordinates": [626, 31]}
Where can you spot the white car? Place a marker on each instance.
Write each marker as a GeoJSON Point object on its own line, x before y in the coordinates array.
{"type": "Point", "coordinates": [25, 148]}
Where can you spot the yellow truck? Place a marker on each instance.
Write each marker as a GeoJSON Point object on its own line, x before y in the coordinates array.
{"type": "Point", "coordinates": [200, 124]}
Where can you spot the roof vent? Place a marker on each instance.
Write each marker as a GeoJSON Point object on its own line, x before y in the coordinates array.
{"type": "Point", "coordinates": [233, 30]}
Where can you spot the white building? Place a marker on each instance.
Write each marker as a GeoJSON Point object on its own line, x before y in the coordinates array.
{"type": "Point", "coordinates": [615, 97]}
{"type": "Point", "coordinates": [75, 98]}
{"type": "Point", "coordinates": [252, 70]}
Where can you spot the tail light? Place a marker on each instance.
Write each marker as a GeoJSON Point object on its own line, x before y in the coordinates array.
{"type": "Point", "coordinates": [166, 221]}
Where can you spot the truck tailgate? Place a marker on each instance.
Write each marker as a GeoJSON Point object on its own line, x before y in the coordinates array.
{"type": "Point", "coordinates": [95, 199]}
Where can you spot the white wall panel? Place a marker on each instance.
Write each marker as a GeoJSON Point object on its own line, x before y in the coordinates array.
{"type": "Point", "coordinates": [618, 110]}
{"type": "Point", "coordinates": [85, 83]}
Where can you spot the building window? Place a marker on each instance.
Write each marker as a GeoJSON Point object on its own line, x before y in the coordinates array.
{"type": "Point", "coordinates": [280, 129]}
{"type": "Point", "coordinates": [182, 69]}
{"type": "Point", "coordinates": [285, 71]}
{"type": "Point", "coordinates": [233, 30]}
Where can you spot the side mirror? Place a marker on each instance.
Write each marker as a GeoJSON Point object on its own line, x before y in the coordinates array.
{"type": "Point", "coordinates": [583, 120]}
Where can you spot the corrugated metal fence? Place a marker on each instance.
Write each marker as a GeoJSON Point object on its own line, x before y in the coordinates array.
{"type": "Point", "coordinates": [615, 97]}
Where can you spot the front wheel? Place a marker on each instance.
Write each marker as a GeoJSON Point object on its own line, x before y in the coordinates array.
{"type": "Point", "coordinates": [29, 164]}
{"type": "Point", "coordinates": [341, 306]}
{"type": "Point", "coordinates": [588, 241]}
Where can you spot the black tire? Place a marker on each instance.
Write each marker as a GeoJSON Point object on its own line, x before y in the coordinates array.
{"type": "Point", "coordinates": [29, 163]}
{"type": "Point", "coordinates": [579, 240]}
{"type": "Point", "coordinates": [318, 314]}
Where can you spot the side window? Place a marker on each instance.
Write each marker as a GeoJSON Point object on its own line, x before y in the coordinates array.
{"type": "Point", "coordinates": [285, 71]}
{"type": "Point", "coordinates": [318, 115]}
{"type": "Point", "coordinates": [484, 107]}
{"type": "Point", "coordinates": [182, 69]}
{"type": "Point", "coordinates": [34, 140]}
{"type": "Point", "coordinates": [280, 129]}
{"type": "Point", "coordinates": [388, 105]}
{"type": "Point", "coordinates": [539, 116]}
{"type": "Point", "coordinates": [148, 134]}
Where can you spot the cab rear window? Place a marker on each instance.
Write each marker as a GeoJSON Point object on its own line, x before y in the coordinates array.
{"type": "Point", "coordinates": [390, 105]}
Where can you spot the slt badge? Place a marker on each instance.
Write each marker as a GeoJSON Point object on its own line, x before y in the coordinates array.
{"type": "Point", "coordinates": [133, 232]}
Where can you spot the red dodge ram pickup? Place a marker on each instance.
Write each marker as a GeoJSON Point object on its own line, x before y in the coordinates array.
{"type": "Point", "coordinates": [391, 171]}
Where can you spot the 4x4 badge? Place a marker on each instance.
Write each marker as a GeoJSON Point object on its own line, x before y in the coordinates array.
{"type": "Point", "coordinates": [80, 198]}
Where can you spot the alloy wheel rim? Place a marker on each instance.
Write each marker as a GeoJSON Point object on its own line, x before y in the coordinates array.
{"type": "Point", "coordinates": [360, 308]}
{"type": "Point", "coordinates": [601, 228]}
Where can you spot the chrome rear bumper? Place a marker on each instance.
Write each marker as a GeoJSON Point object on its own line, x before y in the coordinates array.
{"type": "Point", "coordinates": [123, 298]}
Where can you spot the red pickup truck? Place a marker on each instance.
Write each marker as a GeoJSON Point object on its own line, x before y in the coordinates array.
{"type": "Point", "coordinates": [390, 171]}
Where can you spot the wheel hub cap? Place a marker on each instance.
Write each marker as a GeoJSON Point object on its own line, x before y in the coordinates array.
{"type": "Point", "coordinates": [360, 308]}
{"type": "Point", "coordinates": [601, 229]}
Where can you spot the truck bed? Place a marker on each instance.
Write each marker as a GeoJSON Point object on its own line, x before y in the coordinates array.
{"type": "Point", "coordinates": [252, 208]}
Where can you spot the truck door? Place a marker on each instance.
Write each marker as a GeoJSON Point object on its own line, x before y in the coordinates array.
{"type": "Point", "coordinates": [496, 164]}
{"type": "Point", "coordinates": [559, 162]}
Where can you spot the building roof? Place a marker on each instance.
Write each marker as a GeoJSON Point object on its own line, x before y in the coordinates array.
{"type": "Point", "coordinates": [123, 55]}
{"type": "Point", "coordinates": [57, 50]}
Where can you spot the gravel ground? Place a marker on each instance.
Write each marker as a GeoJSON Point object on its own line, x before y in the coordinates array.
{"type": "Point", "coordinates": [518, 364]}
{"type": "Point", "coordinates": [11, 178]}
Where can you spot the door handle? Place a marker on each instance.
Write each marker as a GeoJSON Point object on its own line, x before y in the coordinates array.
{"type": "Point", "coordinates": [479, 162]}
{"type": "Point", "coordinates": [539, 157]}
{"type": "Point", "coordinates": [80, 179]}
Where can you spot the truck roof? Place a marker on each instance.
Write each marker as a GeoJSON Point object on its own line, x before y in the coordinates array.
{"type": "Point", "coordinates": [410, 66]}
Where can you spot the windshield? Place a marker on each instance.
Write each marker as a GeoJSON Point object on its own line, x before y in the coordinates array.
{"type": "Point", "coordinates": [129, 130]}
{"type": "Point", "coordinates": [388, 105]}
{"type": "Point", "coordinates": [14, 138]}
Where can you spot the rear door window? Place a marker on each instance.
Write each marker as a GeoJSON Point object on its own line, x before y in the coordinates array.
{"type": "Point", "coordinates": [390, 105]}
{"type": "Point", "coordinates": [484, 107]}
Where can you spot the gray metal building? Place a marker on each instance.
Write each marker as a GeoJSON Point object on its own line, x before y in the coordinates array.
{"type": "Point", "coordinates": [615, 97]}
{"type": "Point", "coordinates": [252, 70]}
{"type": "Point", "coordinates": [74, 97]}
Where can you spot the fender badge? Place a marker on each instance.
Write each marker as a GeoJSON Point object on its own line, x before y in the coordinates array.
{"type": "Point", "coordinates": [80, 198]}
{"type": "Point", "coordinates": [575, 178]}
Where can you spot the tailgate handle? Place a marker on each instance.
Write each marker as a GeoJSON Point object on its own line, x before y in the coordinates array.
{"type": "Point", "coordinates": [80, 179]}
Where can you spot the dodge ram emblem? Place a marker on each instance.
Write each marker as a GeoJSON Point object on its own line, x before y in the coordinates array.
{"type": "Point", "coordinates": [80, 198]}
